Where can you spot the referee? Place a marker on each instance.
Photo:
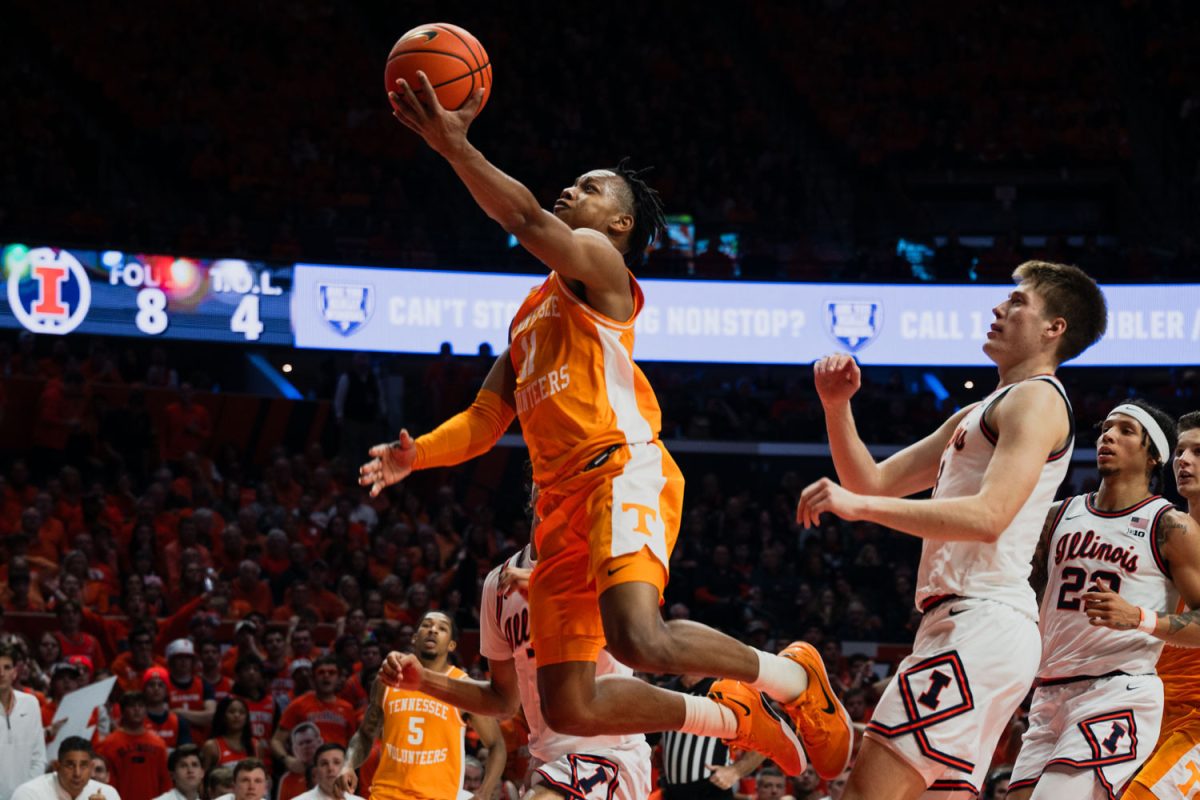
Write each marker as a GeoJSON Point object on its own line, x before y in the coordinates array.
{"type": "Point", "coordinates": [699, 767]}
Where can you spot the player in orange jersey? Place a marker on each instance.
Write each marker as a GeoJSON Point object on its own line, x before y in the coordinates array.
{"type": "Point", "coordinates": [610, 494]}
{"type": "Point", "coordinates": [422, 756]}
{"type": "Point", "coordinates": [1173, 771]}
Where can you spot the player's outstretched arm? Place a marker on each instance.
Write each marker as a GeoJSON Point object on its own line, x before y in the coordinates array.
{"type": "Point", "coordinates": [1031, 422]}
{"type": "Point", "coordinates": [460, 438]}
{"type": "Point", "coordinates": [914, 469]}
{"type": "Point", "coordinates": [584, 255]}
{"type": "Point", "coordinates": [1179, 542]}
{"type": "Point", "coordinates": [499, 697]}
{"type": "Point", "coordinates": [363, 740]}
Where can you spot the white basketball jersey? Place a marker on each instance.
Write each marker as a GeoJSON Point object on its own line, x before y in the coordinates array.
{"type": "Point", "coordinates": [504, 634]}
{"type": "Point", "coordinates": [1121, 548]}
{"type": "Point", "coordinates": [1000, 570]}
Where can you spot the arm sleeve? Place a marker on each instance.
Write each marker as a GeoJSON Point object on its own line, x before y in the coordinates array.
{"type": "Point", "coordinates": [466, 435]}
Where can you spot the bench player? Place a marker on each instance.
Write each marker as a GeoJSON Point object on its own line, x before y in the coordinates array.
{"type": "Point", "coordinates": [611, 495]}
{"type": "Point", "coordinates": [1173, 771]}
{"type": "Point", "coordinates": [994, 468]}
{"type": "Point", "coordinates": [1098, 704]}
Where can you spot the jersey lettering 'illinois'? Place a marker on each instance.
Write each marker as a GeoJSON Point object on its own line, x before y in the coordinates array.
{"type": "Point", "coordinates": [1120, 548]}
{"type": "Point", "coordinates": [578, 390]}
{"type": "Point", "coordinates": [504, 634]}
{"type": "Point", "coordinates": [997, 571]}
{"type": "Point", "coordinates": [422, 753]}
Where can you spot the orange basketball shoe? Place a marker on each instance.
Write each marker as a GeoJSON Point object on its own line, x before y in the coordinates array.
{"type": "Point", "coordinates": [821, 720]}
{"type": "Point", "coordinates": [759, 727]}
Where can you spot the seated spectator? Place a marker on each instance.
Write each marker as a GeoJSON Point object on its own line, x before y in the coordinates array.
{"type": "Point", "coordinates": [333, 715]}
{"type": "Point", "coordinates": [100, 770]}
{"type": "Point", "coordinates": [250, 781]}
{"type": "Point", "coordinates": [72, 778]}
{"type": "Point", "coordinates": [136, 756]}
{"type": "Point", "coordinates": [73, 640]}
{"type": "Point", "coordinates": [330, 758]}
{"type": "Point", "coordinates": [173, 730]}
{"type": "Point", "coordinates": [232, 739]}
{"type": "Point", "coordinates": [187, 774]}
{"type": "Point", "coordinates": [130, 667]}
{"type": "Point", "coordinates": [218, 783]}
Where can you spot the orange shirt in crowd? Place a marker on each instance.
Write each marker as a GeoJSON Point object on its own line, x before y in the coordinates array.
{"type": "Point", "coordinates": [138, 763]}
{"type": "Point", "coordinates": [335, 719]}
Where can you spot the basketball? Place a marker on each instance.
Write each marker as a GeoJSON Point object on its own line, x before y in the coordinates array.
{"type": "Point", "coordinates": [454, 60]}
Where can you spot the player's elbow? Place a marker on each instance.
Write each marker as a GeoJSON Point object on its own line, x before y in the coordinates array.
{"type": "Point", "coordinates": [568, 719]}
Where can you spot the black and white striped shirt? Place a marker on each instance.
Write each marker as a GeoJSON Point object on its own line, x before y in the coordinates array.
{"type": "Point", "coordinates": [686, 756]}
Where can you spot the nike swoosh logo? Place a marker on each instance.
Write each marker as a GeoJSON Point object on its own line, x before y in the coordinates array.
{"type": "Point", "coordinates": [612, 572]}
{"type": "Point", "coordinates": [829, 707]}
{"type": "Point", "coordinates": [954, 612]}
{"type": "Point", "coordinates": [1131, 688]}
{"type": "Point", "coordinates": [745, 708]}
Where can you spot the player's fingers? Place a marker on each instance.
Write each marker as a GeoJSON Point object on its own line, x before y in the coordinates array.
{"type": "Point", "coordinates": [428, 99]}
{"type": "Point", "coordinates": [411, 104]}
{"type": "Point", "coordinates": [1103, 584]}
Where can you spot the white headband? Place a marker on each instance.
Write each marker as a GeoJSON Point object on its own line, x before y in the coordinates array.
{"type": "Point", "coordinates": [1152, 430]}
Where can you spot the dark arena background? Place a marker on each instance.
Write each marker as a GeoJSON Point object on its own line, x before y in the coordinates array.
{"type": "Point", "coordinates": [230, 271]}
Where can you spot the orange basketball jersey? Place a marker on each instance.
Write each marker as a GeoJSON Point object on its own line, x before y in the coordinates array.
{"type": "Point", "coordinates": [1179, 668]}
{"type": "Point", "coordinates": [578, 391]}
{"type": "Point", "coordinates": [422, 753]}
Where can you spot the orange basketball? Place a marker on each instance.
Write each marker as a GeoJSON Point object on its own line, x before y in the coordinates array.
{"type": "Point", "coordinates": [454, 60]}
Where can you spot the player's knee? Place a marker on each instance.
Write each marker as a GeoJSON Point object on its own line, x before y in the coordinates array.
{"type": "Point", "coordinates": [642, 647]}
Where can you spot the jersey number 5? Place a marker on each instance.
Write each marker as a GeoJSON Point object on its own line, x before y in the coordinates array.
{"type": "Point", "coordinates": [416, 731]}
{"type": "Point", "coordinates": [1073, 581]}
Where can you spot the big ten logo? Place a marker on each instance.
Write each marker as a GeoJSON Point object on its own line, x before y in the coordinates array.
{"type": "Point", "coordinates": [48, 290]}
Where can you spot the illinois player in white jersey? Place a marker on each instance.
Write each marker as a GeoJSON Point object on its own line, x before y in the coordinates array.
{"type": "Point", "coordinates": [1098, 705]}
{"type": "Point", "coordinates": [994, 468]}
{"type": "Point", "coordinates": [1173, 771]}
{"type": "Point", "coordinates": [580, 768]}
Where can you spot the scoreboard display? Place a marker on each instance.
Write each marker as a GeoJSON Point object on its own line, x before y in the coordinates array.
{"type": "Point", "coordinates": [52, 290]}
{"type": "Point", "coordinates": [60, 291]}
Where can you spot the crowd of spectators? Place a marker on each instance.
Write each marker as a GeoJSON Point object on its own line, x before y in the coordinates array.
{"type": "Point", "coordinates": [230, 597]}
{"type": "Point", "coordinates": [273, 137]}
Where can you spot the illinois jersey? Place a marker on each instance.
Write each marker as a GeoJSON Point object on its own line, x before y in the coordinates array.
{"type": "Point", "coordinates": [578, 391]}
{"type": "Point", "coordinates": [997, 571]}
{"type": "Point", "coordinates": [422, 753]}
{"type": "Point", "coordinates": [504, 634]}
{"type": "Point", "coordinates": [1119, 547]}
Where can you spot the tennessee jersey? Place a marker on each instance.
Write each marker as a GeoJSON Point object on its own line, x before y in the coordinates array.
{"type": "Point", "coordinates": [1120, 548]}
{"type": "Point", "coordinates": [578, 391]}
{"type": "Point", "coordinates": [997, 571]}
{"type": "Point", "coordinates": [505, 634]}
{"type": "Point", "coordinates": [422, 753]}
{"type": "Point", "coordinates": [1179, 668]}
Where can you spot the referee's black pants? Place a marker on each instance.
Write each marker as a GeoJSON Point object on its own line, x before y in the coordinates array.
{"type": "Point", "coordinates": [698, 790]}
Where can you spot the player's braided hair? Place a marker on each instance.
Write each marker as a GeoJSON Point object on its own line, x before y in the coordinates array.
{"type": "Point", "coordinates": [649, 219]}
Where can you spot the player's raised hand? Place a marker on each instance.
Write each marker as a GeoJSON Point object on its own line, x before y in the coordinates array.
{"type": "Point", "coordinates": [421, 111]}
{"type": "Point", "coordinates": [837, 378]}
{"type": "Point", "coordinates": [514, 579]}
{"type": "Point", "coordinates": [401, 671]}
{"type": "Point", "coordinates": [345, 783]}
{"type": "Point", "coordinates": [390, 463]}
{"type": "Point", "coordinates": [826, 496]}
{"type": "Point", "coordinates": [1105, 608]}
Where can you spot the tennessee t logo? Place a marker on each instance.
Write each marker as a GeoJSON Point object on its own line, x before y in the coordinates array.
{"type": "Point", "coordinates": [643, 512]}
{"type": "Point", "coordinates": [1186, 788]}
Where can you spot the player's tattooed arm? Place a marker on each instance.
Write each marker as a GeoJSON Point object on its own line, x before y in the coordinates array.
{"type": "Point", "coordinates": [1178, 538]}
{"type": "Point", "coordinates": [372, 725]}
{"type": "Point", "coordinates": [1039, 574]}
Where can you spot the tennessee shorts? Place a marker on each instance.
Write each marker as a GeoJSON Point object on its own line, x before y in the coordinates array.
{"type": "Point", "coordinates": [972, 664]}
{"type": "Point", "coordinates": [601, 774]}
{"type": "Point", "coordinates": [1173, 771]}
{"type": "Point", "coordinates": [1094, 733]}
{"type": "Point", "coordinates": [601, 527]}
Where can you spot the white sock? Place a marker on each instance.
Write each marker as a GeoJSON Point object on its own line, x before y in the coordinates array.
{"type": "Point", "coordinates": [705, 717]}
{"type": "Point", "coordinates": [779, 677]}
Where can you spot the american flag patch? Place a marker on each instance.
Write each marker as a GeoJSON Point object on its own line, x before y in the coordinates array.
{"type": "Point", "coordinates": [1141, 523]}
